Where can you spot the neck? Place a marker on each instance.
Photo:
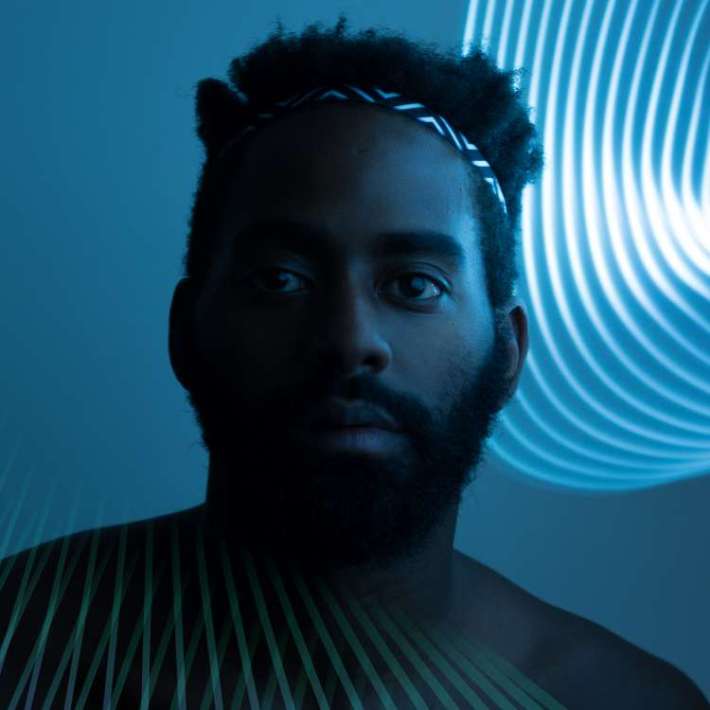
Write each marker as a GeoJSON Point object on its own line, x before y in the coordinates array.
{"type": "Point", "coordinates": [264, 593]}
{"type": "Point", "coordinates": [420, 584]}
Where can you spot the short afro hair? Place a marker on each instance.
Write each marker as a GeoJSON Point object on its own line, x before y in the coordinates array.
{"type": "Point", "coordinates": [469, 91]}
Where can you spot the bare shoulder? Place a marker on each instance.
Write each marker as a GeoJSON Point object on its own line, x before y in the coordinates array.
{"type": "Point", "coordinates": [60, 567]}
{"type": "Point", "coordinates": [579, 662]}
{"type": "Point", "coordinates": [591, 667]}
{"type": "Point", "coordinates": [51, 590]}
{"type": "Point", "coordinates": [37, 590]}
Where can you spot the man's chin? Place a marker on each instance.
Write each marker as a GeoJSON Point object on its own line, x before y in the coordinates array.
{"type": "Point", "coordinates": [339, 508]}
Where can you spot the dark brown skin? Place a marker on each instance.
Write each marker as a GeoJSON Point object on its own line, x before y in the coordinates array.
{"type": "Point", "coordinates": [347, 327]}
{"type": "Point", "coordinates": [376, 528]}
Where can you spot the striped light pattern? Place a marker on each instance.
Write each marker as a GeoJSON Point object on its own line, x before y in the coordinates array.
{"type": "Point", "coordinates": [615, 246]}
{"type": "Point", "coordinates": [202, 659]}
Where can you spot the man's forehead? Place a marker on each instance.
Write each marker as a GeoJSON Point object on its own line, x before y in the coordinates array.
{"type": "Point", "coordinates": [349, 144]}
{"type": "Point", "coordinates": [358, 126]}
{"type": "Point", "coordinates": [361, 169]}
{"type": "Point", "coordinates": [315, 240]}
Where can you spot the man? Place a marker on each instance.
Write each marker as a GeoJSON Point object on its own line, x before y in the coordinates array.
{"type": "Point", "coordinates": [346, 340]}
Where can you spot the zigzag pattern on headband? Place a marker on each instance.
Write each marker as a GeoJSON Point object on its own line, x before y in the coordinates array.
{"type": "Point", "coordinates": [394, 101]}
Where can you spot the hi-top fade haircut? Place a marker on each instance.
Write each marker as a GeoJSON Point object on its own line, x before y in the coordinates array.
{"type": "Point", "coordinates": [474, 95]}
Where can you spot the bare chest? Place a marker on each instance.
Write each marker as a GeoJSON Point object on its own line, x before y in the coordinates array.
{"type": "Point", "coordinates": [393, 665]}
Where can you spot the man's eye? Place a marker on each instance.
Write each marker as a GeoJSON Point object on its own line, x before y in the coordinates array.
{"type": "Point", "coordinates": [418, 283]}
{"type": "Point", "coordinates": [273, 279]}
{"type": "Point", "coordinates": [268, 276]}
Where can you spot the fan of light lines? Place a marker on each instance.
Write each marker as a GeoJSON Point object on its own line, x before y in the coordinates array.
{"type": "Point", "coordinates": [615, 246]}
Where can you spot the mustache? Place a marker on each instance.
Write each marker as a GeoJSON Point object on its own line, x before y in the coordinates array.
{"type": "Point", "coordinates": [304, 398]}
{"type": "Point", "coordinates": [218, 407]}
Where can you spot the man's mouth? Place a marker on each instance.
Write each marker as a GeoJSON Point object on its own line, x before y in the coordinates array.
{"type": "Point", "coordinates": [339, 413]}
{"type": "Point", "coordinates": [366, 439]}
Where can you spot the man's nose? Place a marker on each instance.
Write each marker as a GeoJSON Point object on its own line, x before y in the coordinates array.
{"type": "Point", "coordinates": [350, 335]}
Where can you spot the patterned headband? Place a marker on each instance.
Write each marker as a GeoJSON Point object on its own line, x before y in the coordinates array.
{"type": "Point", "coordinates": [391, 100]}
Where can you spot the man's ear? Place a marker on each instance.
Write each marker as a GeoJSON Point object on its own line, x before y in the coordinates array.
{"type": "Point", "coordinates": [514, 326]}
{"type": "Point", "coordinates": [181, 343]}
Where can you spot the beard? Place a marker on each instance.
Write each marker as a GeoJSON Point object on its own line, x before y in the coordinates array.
{"type": "Point", "coordinates": [273, 491]}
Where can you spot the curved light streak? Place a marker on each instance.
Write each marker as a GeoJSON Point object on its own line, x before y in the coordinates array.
{"type": "Point", "coordinates": [613, 209]}
{"type": "Point", "coordinates": [654, 202]}
{"type": "Point", "coordinates": [638, 230]}
{"type": "Point", "coordinates": [615, 240]}
{"type": "Point", "coordinates": [683, 237]}
{"type": "Point", "coordinates": [595, 238]}
{"type": "Point", "coordinates": [691, 202]}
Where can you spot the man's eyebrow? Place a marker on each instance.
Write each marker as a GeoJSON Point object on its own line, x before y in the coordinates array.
{"type": "Point", "coordinates": [312, 241]}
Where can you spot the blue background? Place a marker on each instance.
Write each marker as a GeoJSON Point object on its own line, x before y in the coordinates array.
{"type": "Point", "coordinates": [594, 495]}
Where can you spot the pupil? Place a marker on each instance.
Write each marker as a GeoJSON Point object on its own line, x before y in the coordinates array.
{"type": "Point", "coordinates": [418, 281]}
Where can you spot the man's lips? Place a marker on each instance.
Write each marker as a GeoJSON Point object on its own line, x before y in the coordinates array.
{"type": "Point", "coordinates": [337, 414]}
{"type": "Point", "coordinates": [367, 439]}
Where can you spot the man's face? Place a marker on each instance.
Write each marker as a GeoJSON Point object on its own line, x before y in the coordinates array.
{"type": "Point", "coordinates": [285, 325]}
